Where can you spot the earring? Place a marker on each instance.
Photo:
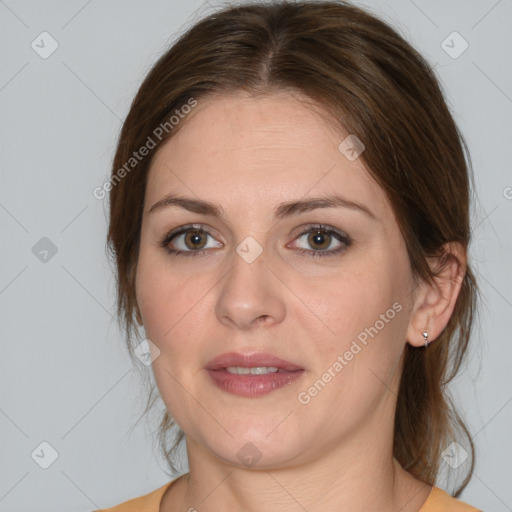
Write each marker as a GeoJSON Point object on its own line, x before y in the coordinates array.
{"type": "Point", "coordinates": [425, 337]}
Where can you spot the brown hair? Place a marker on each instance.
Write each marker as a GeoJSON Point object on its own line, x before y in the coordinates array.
{"type": "Point", "coordinates": [374, 85]}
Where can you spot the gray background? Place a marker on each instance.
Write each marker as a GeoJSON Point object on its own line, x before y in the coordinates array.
{"type": "Point", "coordinates": [65, 377]}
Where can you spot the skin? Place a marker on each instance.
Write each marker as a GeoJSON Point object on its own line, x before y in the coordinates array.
{"type": "Point", "coordinates": [249, 154]}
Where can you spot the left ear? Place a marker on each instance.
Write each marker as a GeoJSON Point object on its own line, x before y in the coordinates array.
{"type": "Point", "coordinates": [434, 301]}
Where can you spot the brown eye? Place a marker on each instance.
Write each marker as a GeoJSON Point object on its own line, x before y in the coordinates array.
{"type": "Point", "coordinates": [319, 239]}
{"type": "Point", "coordinates": [195, 239]}
{"type": "Point", "coordinates": [189, 240]}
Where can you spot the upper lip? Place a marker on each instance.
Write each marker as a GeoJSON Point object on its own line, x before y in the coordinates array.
{"type": "Point", "coordinates": [250, 360]}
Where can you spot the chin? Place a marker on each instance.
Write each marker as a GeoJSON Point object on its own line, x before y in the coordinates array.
{"type": "Point", "coordinates": [262, 447]}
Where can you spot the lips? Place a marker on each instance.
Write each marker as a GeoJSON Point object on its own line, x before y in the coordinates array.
{"type": "Point", "coordinates": [249, 385]}
{"type": "Point", "coordinates": [251, 360]}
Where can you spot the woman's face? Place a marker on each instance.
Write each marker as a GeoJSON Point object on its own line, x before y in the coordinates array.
{"type": "Point", "coordinates": [247, 281]}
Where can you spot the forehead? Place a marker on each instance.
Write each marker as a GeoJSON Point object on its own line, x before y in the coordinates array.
{"type": "Point", "coordinates": [264, 150]}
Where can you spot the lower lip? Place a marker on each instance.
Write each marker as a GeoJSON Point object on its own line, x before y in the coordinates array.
{"type": "Point", "coordinates": [253, 385]}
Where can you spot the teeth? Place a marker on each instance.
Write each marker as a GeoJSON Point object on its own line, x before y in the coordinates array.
{"type": "Point", "coordinates": [258, 370]}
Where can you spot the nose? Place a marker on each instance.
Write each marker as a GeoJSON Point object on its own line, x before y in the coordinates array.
{"type": "Point", "coordinates": [250, 296]}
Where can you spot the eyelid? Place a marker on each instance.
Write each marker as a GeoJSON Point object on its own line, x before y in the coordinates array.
{"type": "Point", "coordinates": [323, 227]}
{"type": "Point", "coordinates": [341, 236]}
{"type": "Point", "coordinates": [183, 229]}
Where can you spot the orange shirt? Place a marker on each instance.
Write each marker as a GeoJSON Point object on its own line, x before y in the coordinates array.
{"type": "Point", "coordinates": [437, 501]}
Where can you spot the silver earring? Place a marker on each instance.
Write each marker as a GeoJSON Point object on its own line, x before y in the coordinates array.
{"type": "Point", "coordinates": [425, 337]}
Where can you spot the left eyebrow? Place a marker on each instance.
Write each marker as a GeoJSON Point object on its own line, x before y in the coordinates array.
{"type": "Point", "coordinates": [283, 210]}
{"type": "Point", "coordinates": [331, 201]}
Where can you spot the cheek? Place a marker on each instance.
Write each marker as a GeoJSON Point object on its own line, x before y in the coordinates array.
{"type": "Point", "coordinates": [169, 306]}
{"type": "Point", "coordinates": [161, 296]}
{"type": "Point", "coordinates": [364, 313]}
{"type": "Point", "coordinates": [152, 296]}
{"type": "Point", "coordinates": [354, 299]}
{"type": "Point", "coordinates": [357, 359]}
{"type": "Point", "coordinates": [175, 306]}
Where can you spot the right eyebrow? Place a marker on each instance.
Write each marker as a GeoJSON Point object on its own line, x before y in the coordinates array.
{"type": "Point", "coordinates": [190, 204]}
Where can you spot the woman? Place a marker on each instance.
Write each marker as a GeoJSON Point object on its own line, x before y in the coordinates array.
{"type": "Point", "coordinates": [289, 222]}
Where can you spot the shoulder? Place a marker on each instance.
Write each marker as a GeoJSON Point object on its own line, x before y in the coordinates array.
{"type": "Point", "coordinates": [441, 501]}
{"type": "Point", "coordinates": [147, 503]}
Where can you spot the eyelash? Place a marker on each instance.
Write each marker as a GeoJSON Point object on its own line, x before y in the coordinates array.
{"type": "Point", "coordinates": [311, 253]}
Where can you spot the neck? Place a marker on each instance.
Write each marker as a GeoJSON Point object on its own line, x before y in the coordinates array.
{"type": "Point", "coordinates": [363, 479]}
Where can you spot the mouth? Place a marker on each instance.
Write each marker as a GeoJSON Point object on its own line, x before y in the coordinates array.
{"type": "Point", "coordinates": [253, 374]}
